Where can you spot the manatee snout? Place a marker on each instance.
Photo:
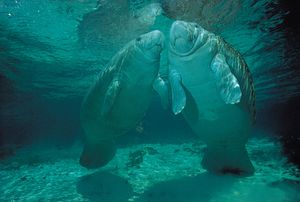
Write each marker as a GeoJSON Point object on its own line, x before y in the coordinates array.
{"type": "Point", "coordinates": [153, 39]}
{"type": "Point", "coordinates": [185, 35]}
{"type": "Point", "coordinates": [180, 37]}
{"type": "Point", "coordinates": [151, 44]}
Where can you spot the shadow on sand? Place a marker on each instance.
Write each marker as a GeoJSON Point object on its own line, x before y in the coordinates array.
{"type": "Point", "coordinates": [104, 186]}
{"type": "Point", "coordinates": [189, 189]}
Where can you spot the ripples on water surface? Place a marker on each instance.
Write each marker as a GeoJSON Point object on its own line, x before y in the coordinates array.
{"type": "Point", "coordinates": [56, 47]}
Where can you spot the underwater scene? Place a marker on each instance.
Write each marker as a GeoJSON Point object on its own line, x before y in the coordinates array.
{"type": "Point", "coordinates": [149, 100]}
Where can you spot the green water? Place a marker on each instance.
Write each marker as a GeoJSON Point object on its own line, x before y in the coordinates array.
{"type": "Point", "coordinates": [51, 52]}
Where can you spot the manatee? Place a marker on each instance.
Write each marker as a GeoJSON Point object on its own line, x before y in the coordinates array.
{"type": "Point", "coordinates": [212, 87]}
{"type": "Point", "coordinates": [120, 97]}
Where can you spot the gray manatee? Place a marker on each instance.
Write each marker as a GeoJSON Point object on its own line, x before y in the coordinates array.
{"type": "Point", "coordinates": [120, 97]}
{"type": "Point", "coordinates": [212, 86]}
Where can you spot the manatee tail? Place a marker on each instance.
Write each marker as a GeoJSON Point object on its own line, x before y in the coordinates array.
{"type": "Point", "coordinates": [97, 155]}
{"type": "Point", "coordinates": [227, 159]}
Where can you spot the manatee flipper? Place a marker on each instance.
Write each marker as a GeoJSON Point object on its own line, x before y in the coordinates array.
{"type": "Point", "coordinates": [97, 155]}
{"type": "Point", "coordinates": [227, 83]}
{"type": "Point", "coordinates": [227, 159]}
{"type": "Point", "coordinates": [177, 91]}
{"type": "Point", "coordinates": [191, 107]}
{"type": "Point", "coordinates": [110, 96]}
{"type": "Point", "coordinates": [161, 87]}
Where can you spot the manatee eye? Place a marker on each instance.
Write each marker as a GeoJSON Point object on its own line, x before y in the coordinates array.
{"type": "Point", "coordinates": [138, 39]}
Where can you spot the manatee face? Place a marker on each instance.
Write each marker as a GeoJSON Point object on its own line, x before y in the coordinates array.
{"type": "Point", "coordinates": [151, 44]}
{"type": "Point", "coordinates": [186, 37]}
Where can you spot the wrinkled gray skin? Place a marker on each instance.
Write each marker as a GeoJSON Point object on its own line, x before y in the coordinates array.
{"type": "Point", "coordinates": [212, 87]}
{"type": "Point", "coordinates": [120, 97]}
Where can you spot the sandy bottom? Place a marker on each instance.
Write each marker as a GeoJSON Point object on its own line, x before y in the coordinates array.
{"type": "Point", "coordinates": [147, 172]}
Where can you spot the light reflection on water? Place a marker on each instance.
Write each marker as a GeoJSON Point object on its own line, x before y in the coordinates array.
{"type": "Point", "coordinates": [62, 45]}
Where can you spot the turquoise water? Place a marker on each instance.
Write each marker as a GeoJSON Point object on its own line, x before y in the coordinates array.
{"type": "Point", "coordinates": [51, 52]}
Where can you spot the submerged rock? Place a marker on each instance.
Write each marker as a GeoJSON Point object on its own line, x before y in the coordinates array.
{"type": "Point", "coordinates": [137, 157]}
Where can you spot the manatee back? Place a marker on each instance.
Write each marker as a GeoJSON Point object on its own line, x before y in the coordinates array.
{"type": "Point", "coordinates": [241, 71]}
{"type": "Point", "coordinates": [109, 72]}
{"type": "Point", "coordinates": [99, 146]}
{"type": "Point", "coordinates": [91, 118]}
